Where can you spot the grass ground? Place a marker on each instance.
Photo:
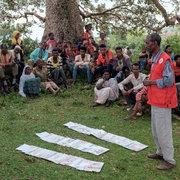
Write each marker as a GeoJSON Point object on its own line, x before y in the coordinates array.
{"type": "Point", "coordinates": [21, 118]}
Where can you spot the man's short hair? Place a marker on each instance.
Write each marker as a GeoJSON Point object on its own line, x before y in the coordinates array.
{"type": "Point", "coordinates": [90, 24]}
{"type": "Point", "coordinates": [118, 48]}
{"type": "Point", "coordinates": [176, 57]}
{"type": "Point", "coordinates": [125, 68]}
{"type": "Point", "coordinates": [86, 25]}
{"type": "Point", "coordinates": [59, 43]}
{"type": "Point", "coordinates": [83, 48]}
{"type": "Point", "coordinates": [50, 34]}
{"type": "Point", "coordinates": [102, 46]}
{"type": "Point", "coordinates": [55, 49]}
{"type": "Point", "coordinates": [136, 64]}
{"type": "Point", "coordinates": [3, 44]}
{"type": "Point", "coordinates": [156, 37]}
{"type": "Point", "coordinates": [96, 52]}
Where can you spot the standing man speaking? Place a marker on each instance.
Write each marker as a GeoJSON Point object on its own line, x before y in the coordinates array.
{"type": "Point", "coordinates": [162, 97]}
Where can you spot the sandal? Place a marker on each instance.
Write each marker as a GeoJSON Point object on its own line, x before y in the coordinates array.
{"type": "Point", "coordinates": [129, 118]}
{"type": "Point", "coordinates": [87, 87]}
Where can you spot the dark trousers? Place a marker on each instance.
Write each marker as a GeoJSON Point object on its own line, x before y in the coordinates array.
{"type": "Point", "coordinates": [99, 70]}
{"type": "Point", "coordinates": [177, 78]}
{"type": "Point", "coordinates": [68, 66]}
{"type": "Point", "coordinates": [56, 74]}
{"type": "Point", "coordinates": [131, 99]}
{"type": "Point", "coordinates": [20, 69]}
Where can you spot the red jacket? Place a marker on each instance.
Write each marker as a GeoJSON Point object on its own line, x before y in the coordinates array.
{"type": "Point", "coordinates": [166, 97]}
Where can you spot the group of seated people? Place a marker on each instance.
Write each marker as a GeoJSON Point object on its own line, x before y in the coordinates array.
{"type": "Point", "coordinates": [47, 64]}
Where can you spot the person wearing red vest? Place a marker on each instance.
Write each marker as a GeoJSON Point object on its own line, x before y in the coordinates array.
{"type": "Point", "coordinates": [162, 97]}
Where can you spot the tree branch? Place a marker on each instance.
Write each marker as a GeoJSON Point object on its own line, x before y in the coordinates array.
{"type": "Point", "coordinates": [36, 15]}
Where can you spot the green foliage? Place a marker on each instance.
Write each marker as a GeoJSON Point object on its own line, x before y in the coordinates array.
{"type": "Point", "coordinates": [174, 42]}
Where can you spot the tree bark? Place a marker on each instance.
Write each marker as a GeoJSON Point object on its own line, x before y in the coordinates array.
{"type": "Point", "coordinates": [63, 15]}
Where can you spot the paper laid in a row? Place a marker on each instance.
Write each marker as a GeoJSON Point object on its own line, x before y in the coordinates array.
{"type": "Point", "coordinates": [109, 137]}
{"type": "Point", "coordinates": [73, 143]}
{"type": "Point", "coordinates": [63, 159]}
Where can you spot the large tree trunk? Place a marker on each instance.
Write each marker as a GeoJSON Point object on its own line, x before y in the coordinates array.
{"type": "Point", "coordinates": [63, 15]}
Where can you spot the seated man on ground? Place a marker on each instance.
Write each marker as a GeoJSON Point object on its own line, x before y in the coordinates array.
{"type": "Point", "coordinates": [54, 67]}
{"type": "Point", "coordinates": [119, 61]}
{"type": "Point", "coordinates": [47, 83]}
{"type": "Point", "coordinates": [176, 66]}
{"type": "Point", "coordinates": [106, 90]}
{"type": "Point", "coordinates": [81, 65]}
{"type": "Point", "coordinates": [136, 78]}
{"type": "Point", "coordinates": [141, 99]}
{"type": "Point", "coordinates": [18, 59]}
{"type": "Point", "coordinates": [29, 85]}
{"type": "Point", "coordinates": [38, 53]}
{"type": "Point", "coordinates": [104, 61]}
{"type": "Point", "coordinates": [123, 74]}
{"type": "Point", "coordinates": [7, 66]}
{"type": "Point", "coordinates": [74, 52]}
{"type": "Point", "coordinates": [65, 58]}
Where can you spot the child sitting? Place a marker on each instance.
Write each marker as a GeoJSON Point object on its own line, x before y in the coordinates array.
{"type": "Point", "coordinates": [29, 84]}
{"type": "Point", "coordinates": [74, 52]}
{"type": "Point", "coordinates": [47, 83]}
{"type": "Point", "coordinates": [176, 65]}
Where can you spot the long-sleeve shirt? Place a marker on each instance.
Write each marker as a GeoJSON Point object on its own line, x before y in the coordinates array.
{"type": "Point", "coordinates": [137, 83]}
{"type": "Point", "coordinates": [50, 67]}
{"type": "Point", "coordinates": [82, 63]}
{"type": "Point", "coordinates": [125, 61]}
{"type": "Point", "coordinates": [168, 74]}
{"type": "Point", "coordinates": [41, 73]}
{"type": "Point", "coordinates": [36, 54]}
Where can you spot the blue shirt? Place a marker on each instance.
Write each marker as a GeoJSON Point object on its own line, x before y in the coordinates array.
{"type": "Point", "coordinates": [36, 53]}
{"type": "Point", "coordinates": [168, 74]}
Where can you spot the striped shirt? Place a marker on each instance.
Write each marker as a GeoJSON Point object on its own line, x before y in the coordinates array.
{"type": "Point", "coordinates": [50, 67]}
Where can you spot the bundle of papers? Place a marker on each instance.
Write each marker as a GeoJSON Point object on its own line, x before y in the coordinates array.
{"type": "Point", "coordinates": [101, 134]}
{"type": "Point", "coordinates": [73, 143]}
{"type": "Point", "coordinates": [63, 159]}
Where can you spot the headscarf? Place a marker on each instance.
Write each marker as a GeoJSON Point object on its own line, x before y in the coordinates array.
{"type": "Point", "coordinates": [16, 57]}
{"type": "Point", "coordinates": [23, 78]}
{"type": "Point", "coordinates": [172, 54]}
{"type": "Point", "coordinates": [14, 40]}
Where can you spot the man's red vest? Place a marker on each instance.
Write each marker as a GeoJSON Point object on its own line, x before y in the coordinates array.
{"type": "Point", "coordinates": [166, 97]}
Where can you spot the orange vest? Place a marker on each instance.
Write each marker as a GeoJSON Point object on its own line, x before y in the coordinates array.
{"type": "Point", "coordinates": [166, 97]}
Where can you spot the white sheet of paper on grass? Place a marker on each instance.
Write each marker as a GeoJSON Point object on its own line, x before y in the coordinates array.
{"type": "Point", "coordinates": [109, 137]}
{"type": "Point", "coordinates": [63, 159]}
{"type": "Point", "coordinates": [73, 143]}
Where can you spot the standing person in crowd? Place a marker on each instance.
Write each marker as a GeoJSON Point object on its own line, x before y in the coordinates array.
{"type": "Point", "coordinates": [128, 52]}
{"type": "Point", "coordinates": [29, 85]}
{"type": "Point", "coordinates": [136, 78]}
{"type": "Point", "coordinates": [103, 40]}
{"type": "Point", "coordinates": [61, 39]}
{"type": "Point", "coordinates": [90, 29]}
{"type": "Point", "coordinates": [169, 51]}
{"type": "Point", "coordinates": [64, 57]}
{"type": "Point", "coordinates": [47, 83]}
{"type": "Point", "coordinates": [143, 59]}
{"type": "Point", "coordinates": [106, 90]}
{"type": "Point", "coordinates": [81, 65]}
{"type": "Point", "coordinates": [162, 96]}
{"type": "Point", "coordinates": [94, 43]}
{"type": "Point", "coordinates": [51, 43]}
{"type": "Point", "coordinates": [38, 53]}
{"type": "Point", "coordinates": [54, 67]}
{"type": "Point", "coordinates": [176, 67]}
{"type": "Point", "coordinates": [18, 59]}
{"type": "Point", "coordinates": [7, 66]}
{"type": "Point", "coordinates": [119, 61]}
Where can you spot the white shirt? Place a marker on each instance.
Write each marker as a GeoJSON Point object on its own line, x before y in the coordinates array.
{"type": "Point", "coordinates": [79, 62]}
